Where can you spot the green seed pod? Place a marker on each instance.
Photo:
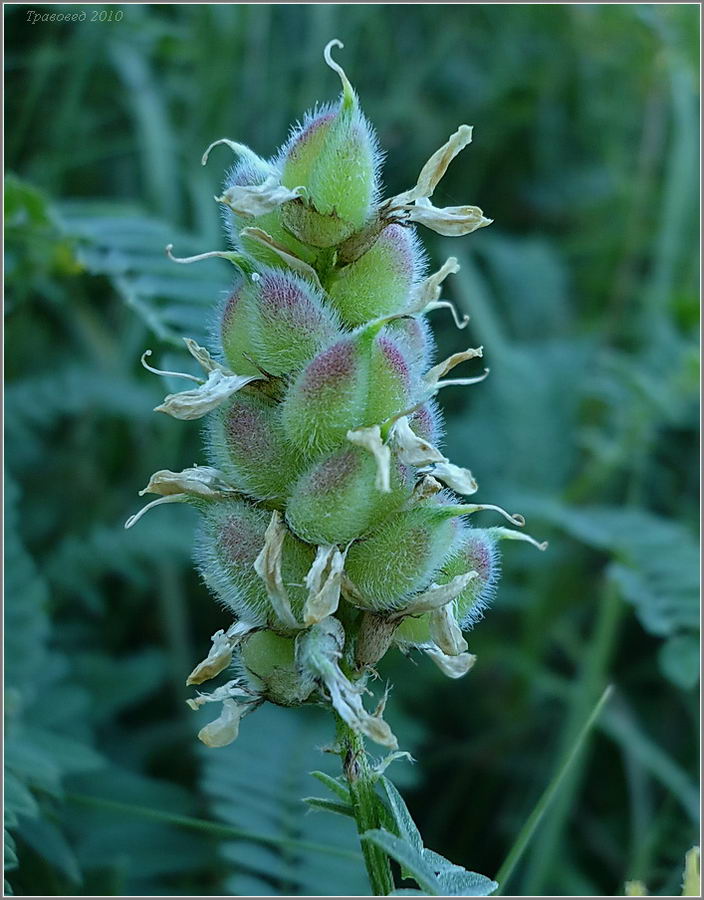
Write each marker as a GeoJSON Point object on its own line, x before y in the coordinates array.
{"type": "Point", "coordinates": [478, 553]}
{"type": "Point", "coordinates": [427, 422]}
{"type": "Point", "coordinates": [251, 170]}
{"type": "Point", "coordinates": [403, 555]}
{"type": "Point", "coordinates": [236, 321]}
{"type": "Point", "coordinates": [230, 538]}
{"type": "Point", "coordinates": [413, 334]}
{"type": "Point", "coordinates": [378, 283]}
{"type": "Point", "coordinates": [336, 500]}
{"type": "Point", "coordinates": [333, 154]}
{"type": "Point", "coordinates": [359, 381]}
{"type": "Point", "coordinates": [329, 396]}
{"type": "Point", "coordinates": [270, 659]}
{"type": "Point", "coordinates": [247, 444]}
{"type": "Point", "coordinates": [390, 380]}
{"type": "Point", "coordinates": [277, 320]}
{"type": "Point", "coordinates": [291, 322]}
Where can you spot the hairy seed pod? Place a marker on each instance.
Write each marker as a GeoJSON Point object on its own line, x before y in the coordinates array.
{"type": "Point", "coordinates": [402, 556]}
{"type": "Point", "coordinates": [337, 500]}
{"type": "Point", "coordinates": [478, 553]}
{"type": "Point", "coordinates": [270, 660]}
{"type": "Point", "coordinates": [413, 334]}
{"type": "Point", "coordinates": [359, 381]}
{"type": "Point", "coordinates": [249, 171]}
{"type": "Point", "coordinates": [329, 396]}
{"type": "Point", "coordinates": [290, 321]}
{"type": "Point", "coordinates": [427, 422]}
{"type": "Point", "coordinates": [390, 380]}
{"type": "Point", "coordinates": [236, 321]}
{"type": "Point", "coordinates": [247, 444]}
{"type": "Point", "coordinates": [229, 540]}
{"type": "Point", "coordinates": [378, 283]}
{"type": "Point", "coordinates": [333, 154]}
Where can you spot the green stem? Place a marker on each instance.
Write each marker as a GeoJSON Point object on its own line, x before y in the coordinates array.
{"type": "Point", "coordinates": [365, 805]}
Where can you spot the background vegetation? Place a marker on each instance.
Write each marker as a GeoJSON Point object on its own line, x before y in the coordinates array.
{"type": "Point", "coordinates": [584, 295]}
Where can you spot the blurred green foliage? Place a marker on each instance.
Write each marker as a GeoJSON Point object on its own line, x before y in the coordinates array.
{"type": "Point", "coordinates": [584, 294]}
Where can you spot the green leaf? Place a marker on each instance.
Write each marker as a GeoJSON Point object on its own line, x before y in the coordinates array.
{"type": "Point", "coordinates": [343, 809]}
{"type": "Point", "coordinates": [255, 785]}
{"type": "Point", "coordinates": [409, 857]}
{"type": "Point", "coordinates": [18, 798]}
{"type": "Point", "coordinates": [125, 245]}
{"type": "Point", "coordinates": [451, 879]}
{"type": "Point", "coordinates": [679, 660]}
{"type": "Point", "coordinates": [68, 754]}
{"type": "Point", "coordinates": [334, 785]}
{"type": "Point", "coordinates": [655, 560]}
{"type": "Point", "coordinates": [459, 882]}
{"type": "Point", "coordinates": [46, 840]}
{"type": "Point", "coordinates": [10, 854]}
{"type": "Point", "coordinates": [405, 826]}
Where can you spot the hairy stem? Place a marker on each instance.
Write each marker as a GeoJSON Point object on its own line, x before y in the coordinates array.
{"type": "Point", "coordinates": [365, 804]}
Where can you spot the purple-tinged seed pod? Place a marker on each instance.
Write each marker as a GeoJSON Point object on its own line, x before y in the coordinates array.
{"type": "Point", "coordinates": [291, 322]}
{"type": "Point", "coordinates": [228, 540]}
{"type": "Point", "coordinates": [276, 320]}
{"type": "Point", "coordinates": [391, 380]}
{"type": "Point", "coordinates": [334, 155]}
{"type": "Point", "coordinates": [427, 422]}
{"type": "Point", "coordinates": [414, 334]}
{"type": "Point", "coordinates": [478, 553]}
{"type": "Point", "coordinates": [246, 443]}
{"type": "Point", "coordinates": [361, 380]}
{"type": "Point", "coordinates": [230, 537]}
{"type": "Point", "coordinates": [403, 555]}
{"type": "Point", "coordinates": [337, 500]}
{"type": "Point", "coordinates": [329, 396]}
{"type": "Point", "coordinates": [379, 282]}
{"type": "Point", "coordinates": [235, 328]}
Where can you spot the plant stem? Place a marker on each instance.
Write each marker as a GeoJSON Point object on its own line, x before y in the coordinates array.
{"type": "Point", "coordinates": [358, 773]}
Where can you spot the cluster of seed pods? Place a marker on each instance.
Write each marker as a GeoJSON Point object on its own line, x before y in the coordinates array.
{"type": "Point", "coordinates": [332, 525]}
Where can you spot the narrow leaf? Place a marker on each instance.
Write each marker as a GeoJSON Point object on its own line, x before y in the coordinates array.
{"type": "Point", "coordinates": [405, 826]}
{"type": "Point", "coordinates": [408, 857]}
{"type": "Point", "coordinates": [342, 809]}
{"type": "Point", "coordinates": [333, 785]}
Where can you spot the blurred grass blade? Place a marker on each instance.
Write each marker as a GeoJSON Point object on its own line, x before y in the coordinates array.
{"type": "Point", "coordinates": [526, 833]}
{"type": "Point", "coordinates": [620, 725]}
{"type": "Point", "coordinates": [215, 828]}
